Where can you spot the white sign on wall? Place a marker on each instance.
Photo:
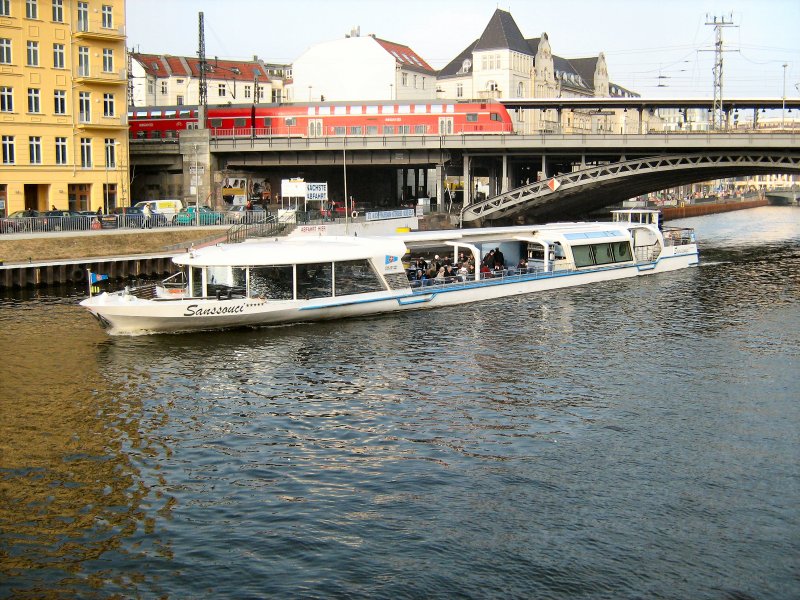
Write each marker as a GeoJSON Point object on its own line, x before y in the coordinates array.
{"type": "Point", "coordinates": [317, 191]}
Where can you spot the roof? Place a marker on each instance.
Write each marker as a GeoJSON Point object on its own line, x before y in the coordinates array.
{"type": "Point", "coordinates": [586, 68]}
{"type": "Point", "coordinates": [457, 67]}
{"type": "Point", "coordinates": [405, 56]}
{"type": "Point", "coordinates": [166, 65]}
{"type": "Point", "coordinates": [502, 33]}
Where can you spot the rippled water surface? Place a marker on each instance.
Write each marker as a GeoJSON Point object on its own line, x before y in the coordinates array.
{"type": "Point", "coordinates": [634, 439]}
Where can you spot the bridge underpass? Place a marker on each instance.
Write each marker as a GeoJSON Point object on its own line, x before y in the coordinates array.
{"type": "Point", "coordinates": [584, 191]}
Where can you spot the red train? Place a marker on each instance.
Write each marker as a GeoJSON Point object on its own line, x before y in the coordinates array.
{"type": "Point", "coordinates": [379, 118]}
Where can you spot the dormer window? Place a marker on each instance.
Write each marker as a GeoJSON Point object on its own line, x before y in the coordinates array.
{"type": "Point", "coordinates": [466, 65]}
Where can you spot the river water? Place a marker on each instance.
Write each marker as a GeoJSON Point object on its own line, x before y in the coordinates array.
{"type": "Point", "coordinates": [633, 439]}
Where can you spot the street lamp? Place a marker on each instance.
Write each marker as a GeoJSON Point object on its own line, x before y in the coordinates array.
{"type": "Point", "coordinates": [783, 109]}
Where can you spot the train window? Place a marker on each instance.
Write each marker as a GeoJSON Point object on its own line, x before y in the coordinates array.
{"type": "Point", "coordinates": [404, 109]}
{"type": "Point", "coordinates": [155, 114]}
{"type": "Point", "coordinates": [312, 110]}
{"type": "Point", "coordinates": [356, 110]}
{"type": "Point", "coordinates": [419, 128]}
{"type": "Point", "coordinates": [240, 122]}
{"type": "Point", "coordinates": [372, 130]}
{"type": "Point", "coordinates": [324, 111]}
{"type": "Point", "coordinates": [185, 114]}
{"type": "Point", "coordinates": [170, 134]}
{"type": "Point", "coordinates": [215, 123]}
{"type": "Point", "coordinates": [356, 130]}
{"type": "Point", "coordinates": [340, 110]}
{"type": "Point", "coordinates": [472, 117]}
{"type": "Point", "coordinates": [494, 116]}
{"type": "Point", "coordinates": [437, 109]}
{"type": "Point", "coordinates": [388, 110]}
{"type": "Point", "coordinates": [130, 116]}
{"type": "Point", "coordinates": [450, 108]}
{"type": "Point", "coordinates": [268, 122]}
{"type": "Point", "coordinates": [388, 130]}
{"type": "Point", "coordinates": [371, 110]}
{"type": "Point", "coordinates": [155, 134]}
{"type": "Point", "coordinates": [290, 121]}
{"type": "Point", "coordinates": [404, 129]}
{"type": "Point", "coordinates": [141, 134]}
{"type": "Point", "coordinates": [421, 108]}
{"type": "Point", "coordinates": [140, 114]}
{"type": "Point", "coordinates": [169, 114]}
{"type": "Point", "coordinates": [339, 130]}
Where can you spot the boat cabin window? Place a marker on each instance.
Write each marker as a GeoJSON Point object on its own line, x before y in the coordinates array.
{"type": "Point", "coordinates": [356, 277]}
{"type": "Point", "coordinates": [273, 283]}
{"type": "Point", "coordinates": [315, 280]}
{"type": "Point", "coordinates": [197, 282]}
{"type": "Point", "coordinates": [601, 254]}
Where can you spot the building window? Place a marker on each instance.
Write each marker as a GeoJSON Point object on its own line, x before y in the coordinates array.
{"type": "Point", "coordinates": [31, 11]}
{"type": "Point", "coordinates": [34, 106]}
{"type": "Point", "coordinates": [423, 83]}
{"type": "Point", "coordinates": [111, 154]}
{"type": "Point", "coordinates": [35, 146]}
{"type": "Point", "coordinates": [58, 11]}
{"type": "Point", "coordinates": [84, 107]}
{"type": "Point", "coordinates": [33, 54]}
{"type": "Point", "coordinates": [5, 51]}
{"type": "Point", "coordinates": [6, 99]}
{"type": "Point", "coordinates": [221, 90]}
{"type": "Point", "coordinates": [83, 16]}
{"type": "Point", "coordinates": [163, 88]}
{"type": "Point", "coordinates": [151, 87]}
{"type": "Point", "coordinates": [459, 90]}
{"type": "Point", "coordinates": [179, 100]}
{"type": "Point", "coordinates": [108, 17]}
{"type": "Point", "coordinates": [61, 150]}
{"type": "Point", "coordinates": [86, 152]}
{"type": "Point", "coordinates": [108, 105]}
{"type": "Point", "coordinates": [247, 91]}
{"type": "Point", "coordinates": [83, 61]}
{"type": "Point", "coordinates": [60, 102]}
{"type": "Point", "coordinates": [5, 8]}
{"type": "Point", "coordinates": [108, 60]}
{"type": "Point", "coordinates": [405, 79]}
{"type": "Point", "coordinates": [8, 150]}
{"type": "Point", "coordinates": [58, 56]}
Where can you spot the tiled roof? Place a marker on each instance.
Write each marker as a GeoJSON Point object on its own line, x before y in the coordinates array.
{"type": "Point", "coordinates": [585, 68]}
{"type": "Point", "coordinates": [188, 66]}
{"type": "Point", "coordinates": [405, 56]}
{"type": "Point", "coordinates": [502, 33]}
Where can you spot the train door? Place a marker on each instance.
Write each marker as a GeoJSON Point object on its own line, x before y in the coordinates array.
{"type": "Point", "coordinates": [314, 128]}
{"type": "Point", "coordinates": [445, 125]}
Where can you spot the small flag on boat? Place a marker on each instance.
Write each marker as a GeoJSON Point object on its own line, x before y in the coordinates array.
{"type": "Point", "coordinates": [94, 278]}
{"type": "Point", "coordinates": [554, 184]}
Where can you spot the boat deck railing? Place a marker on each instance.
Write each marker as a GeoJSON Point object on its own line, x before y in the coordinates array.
{"type": "Point", "coordinates": [678, 236]}
{"type": "Point", "coordinates": [495, 277]}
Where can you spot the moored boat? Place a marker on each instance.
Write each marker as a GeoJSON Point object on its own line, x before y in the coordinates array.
{"type": "Point", "coordinates": [312, 278]}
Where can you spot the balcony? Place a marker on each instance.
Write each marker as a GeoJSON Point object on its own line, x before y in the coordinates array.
{"type": "Point", "coordinates": [93, 30]}
{"type": "Point", "coordinates": [84, 77]}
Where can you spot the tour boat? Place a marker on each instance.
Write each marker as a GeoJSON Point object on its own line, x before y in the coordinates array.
{"type": "Point", "coordinates": [306, 278]}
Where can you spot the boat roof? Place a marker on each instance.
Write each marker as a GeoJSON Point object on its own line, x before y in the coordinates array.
{"type": "Point", "coordinates": [292, 250]}
{"type": "Point", "coordinates": [315, 249]}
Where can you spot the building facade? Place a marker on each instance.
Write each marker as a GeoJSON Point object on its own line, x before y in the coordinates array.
{"type": "Point", "coordinates": [63, 93]}
{"type": "Point", "coordinates": [165, 80]}
{"type": "Point", "coordinates": [361, 68]}
{"type": "Point", "coordinates": [503, 63]}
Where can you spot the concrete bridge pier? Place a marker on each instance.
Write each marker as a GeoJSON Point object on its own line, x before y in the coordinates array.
{"type": "Point", "coordinates": [198, 168]}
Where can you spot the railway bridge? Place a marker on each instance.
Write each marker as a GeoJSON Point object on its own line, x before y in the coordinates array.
{"type": "Point", "coordinates": [530, 177]}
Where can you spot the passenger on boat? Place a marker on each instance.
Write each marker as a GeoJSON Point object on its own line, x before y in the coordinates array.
{"type": "Point", "coordinates": [485, 271]}
{"type": "Point", "coordinates": [499, 259]}
{"type": "Point", "coordinates": [522, 264]}
{"type": "Point", "coordinates": [421, 263]}
{"type": "Point", "coordinates": [488, 260]}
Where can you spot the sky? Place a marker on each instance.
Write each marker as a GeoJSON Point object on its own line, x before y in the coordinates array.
{"type": "Point", "coordinates": [657, 48]}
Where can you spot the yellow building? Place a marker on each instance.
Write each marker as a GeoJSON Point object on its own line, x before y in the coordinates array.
{"type": "Point", "coordinates": [63, 105]}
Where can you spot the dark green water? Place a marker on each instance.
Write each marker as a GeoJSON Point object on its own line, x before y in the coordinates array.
{"type": "Point", "coordinates": [636, 439]}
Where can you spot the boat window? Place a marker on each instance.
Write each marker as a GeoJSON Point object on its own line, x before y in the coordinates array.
{"type": "Point", "coordinates": [582, 256]}
{"type": "Point", "coordinates": [356, 277]}
{"type": "Point", "coordinates": [601, 254]}
{"type": "Point", "coordinates": [314, 280]}
{"type": "Point", "coordinates": [272, 283]}
{"type": "Point", "coordinates": [239, 277]}
{"type": "Point", "coordinates": [197, 282]}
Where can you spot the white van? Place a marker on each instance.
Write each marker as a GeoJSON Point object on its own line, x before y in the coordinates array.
{"type": "Point", "coordinates": [168, 208]}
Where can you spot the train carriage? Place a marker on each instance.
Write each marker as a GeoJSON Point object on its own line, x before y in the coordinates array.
{"type": "Point", "coordinates": [380, 118]}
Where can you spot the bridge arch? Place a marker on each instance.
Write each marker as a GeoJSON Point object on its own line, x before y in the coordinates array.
{"type": "Point", "coordinates": [587, 190]}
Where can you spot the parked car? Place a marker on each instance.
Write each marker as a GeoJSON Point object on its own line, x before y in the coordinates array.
{"type": "Point", "coordinates": [190, 216]}
{"type": "Point", "coordinates": [133, 216]}
{"type": "Point", "coordinates": [168, 208]}
{"type": "Point", "coordinates": [66, 220]}
{"type": "Point", "coordinates": [240, 214]}
{"type": "Point", "coordinates": [22, 220]}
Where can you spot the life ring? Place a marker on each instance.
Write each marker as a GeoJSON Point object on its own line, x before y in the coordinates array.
{"type": "Point", "coordinates": [354, 214]}
{"type": "Point", "coordinates": [79, 275]}
{"type": "Point", "coordinates": [96, 224]}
